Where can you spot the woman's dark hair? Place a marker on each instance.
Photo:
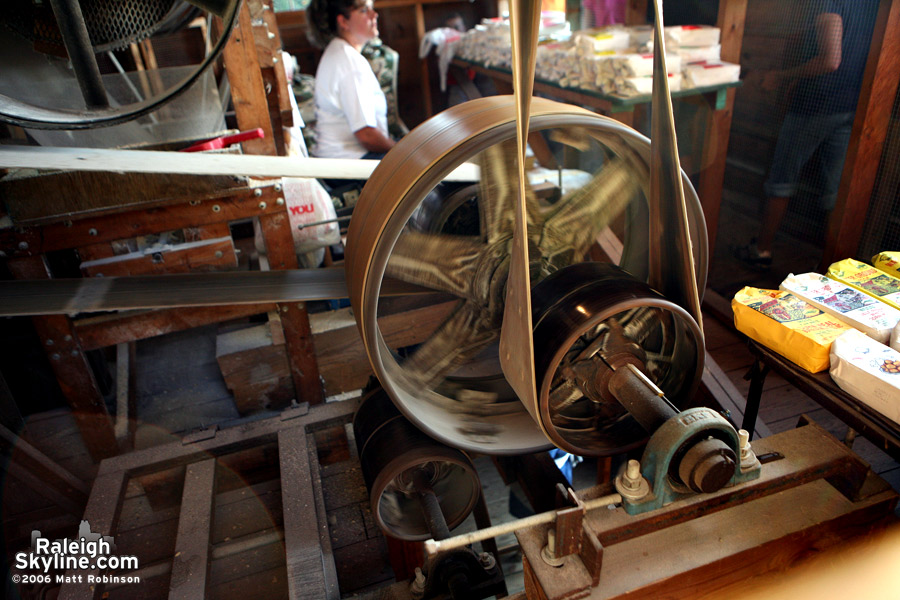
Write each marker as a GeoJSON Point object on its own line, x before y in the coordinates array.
{"type": "Point", "coordinates": [321, 17]}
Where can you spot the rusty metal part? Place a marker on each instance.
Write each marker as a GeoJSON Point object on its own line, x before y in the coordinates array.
{"type": "Point", "coordinates": [707, 466]}
{"type": "Point", "coordinates": [419, 488]}
{"type": "Point", "coordinates": [591, 321]}
{"type": "Point", "coordinates": [384, 239]}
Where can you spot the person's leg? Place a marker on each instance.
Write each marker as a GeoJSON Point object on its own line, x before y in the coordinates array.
{"type": "Point", "coordinates": [773, 215]}
{"type": "Point", "coordinates": [798, 139]}
{"type": "Point", "coordinates": [832, 155]}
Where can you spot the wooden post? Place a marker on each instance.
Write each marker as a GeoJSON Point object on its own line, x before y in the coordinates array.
{"type": "Point", "coordinates": [294, 318]}
{"type": "Point", "coordinates": [732, 14]}
{"type": "Point", "coordinates": [70, 365]}
{"type": "Point", "coordinates": [870, 128]}
{"type": "Point", "coordinates": [248, 93]}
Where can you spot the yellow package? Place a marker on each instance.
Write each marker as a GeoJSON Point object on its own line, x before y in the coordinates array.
{"type": "Point", "coordinates": [787, 325]}
{"type": "Point", "coordinates": [870, 280]}
{"type": "Point", "coordinates": [889, 262]}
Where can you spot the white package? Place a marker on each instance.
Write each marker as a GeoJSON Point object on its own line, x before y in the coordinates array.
{"type": "Point", "coordinates": [706, 73]}
{"type": "Point", "coordinates": [868, 371]}
{"type": "Point", "coordinates": [871, 316]}
{"type": "Point", "coordinates": [692, 35]}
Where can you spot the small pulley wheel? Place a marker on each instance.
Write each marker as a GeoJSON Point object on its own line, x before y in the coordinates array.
{"type": "Point", "coordinates": [589, 320]}
{"type": "Point", "coordinates": [397, 460]}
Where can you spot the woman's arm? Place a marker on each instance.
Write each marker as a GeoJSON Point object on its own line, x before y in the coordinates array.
{"type": "Point", "coordinates": [373, 139]}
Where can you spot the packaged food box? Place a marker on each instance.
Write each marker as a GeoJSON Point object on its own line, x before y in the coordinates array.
{"type": "Point", "coordinates": [868, 371]}
{"type": "Point", "coordinates": [889, 262]}
{"type": "Point", "coordinates": [870, 280]}
{"type": "Point", "coordinates": [710, 72]}
{"type": "Point", "coordinates": [861, 311]}
{"type": "Point", "coordinates": [692, 35]}
{"type": "Point", "coordinates": [788, 325]}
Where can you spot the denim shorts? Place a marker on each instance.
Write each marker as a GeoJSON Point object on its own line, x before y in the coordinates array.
{"type": "Point", "coordinates": [798, 140]}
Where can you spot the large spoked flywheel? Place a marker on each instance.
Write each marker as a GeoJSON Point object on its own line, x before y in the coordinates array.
{"type": "Point", "coordinates": [451, 385]}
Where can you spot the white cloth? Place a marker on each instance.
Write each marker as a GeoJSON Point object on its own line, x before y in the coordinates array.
{"type": "Point", "coordinates": [348, 98]}
{"type": "Point", "coordinates": [445, 40]}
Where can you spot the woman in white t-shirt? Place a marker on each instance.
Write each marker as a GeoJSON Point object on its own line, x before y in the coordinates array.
{"type": "Point", "coordinates": [351, 109]}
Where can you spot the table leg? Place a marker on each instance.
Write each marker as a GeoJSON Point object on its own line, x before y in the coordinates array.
{"type": "Point", "coordinates": [757, 377]}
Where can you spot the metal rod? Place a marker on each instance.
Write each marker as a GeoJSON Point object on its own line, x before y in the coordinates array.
{"type": "Point", "coordinates": [641, 398]}
{"type": "Point", "coordinates": [431, 507]}
{"type": "Point", "coordinates": [81, 52]}
{"type": "Point", "coordinates": [326, 222]}
{"type": "Point", "coordinates": [432, 547]}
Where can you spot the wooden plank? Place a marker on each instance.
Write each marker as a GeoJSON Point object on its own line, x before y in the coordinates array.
{"type": "Point", "coordinates": [190, 566]}
{"type": "Point", "coordinates": [109, 330]}
{"type": "Point", "coordinates": [248, 94]}
{"type": "Point", "coordinates": [332, 591]}
{"type": "Point", "coordinates": [27, 464]}
{"type": "Point", "coordinates": [203, 255]}
{"type": "Point", "coordinates": [125, 400]}
{"type": "Point", "coordinates": [63, 235]}
{"type": "Point", "coordinates": [342, 359]}
{"type": "Point", "coordinates": [44, 197]}
{"type": "Point", "coordinates": [101, 515]}
{"type": "Point", "coordinates": [197, 163]}
{"type": "Point", "coordinates": [694, 559]}
{"type": "Point", "coordinates": [305, 556]}
{"type": "Point", "coordinates": [870, 128]}
{"type": "Point", "coordinates": [228, 440]}
{"type": "Point", "coordinates": [298, 337]}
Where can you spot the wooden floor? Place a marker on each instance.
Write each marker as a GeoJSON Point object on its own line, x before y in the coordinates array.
{"type": "Point", "coordinates": [177, 395]}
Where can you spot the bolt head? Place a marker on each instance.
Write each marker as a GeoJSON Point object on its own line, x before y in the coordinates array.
{"type": "Point", "coordinates": [92, 232]}
{"type": "Point", "coordinates": [279, 201]}
{"type": "Point", "coordinates": [219, 254]}
{"type": "Point", "coordinates": [216, 208]}
{"type": "Point", "coordinates": [23, 245]}
{"type": "Point", "coordinates": [54, 356]}
{"type": "Point", "coordinates": [277, 187]}
{"type": "Point", "coordinates": [262, 206]}
{"type": "Point", "coordinates": [257, 192]}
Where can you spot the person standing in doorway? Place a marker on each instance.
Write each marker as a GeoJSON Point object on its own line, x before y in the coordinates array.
{"type": "Point", "coordinates": [823, 90]}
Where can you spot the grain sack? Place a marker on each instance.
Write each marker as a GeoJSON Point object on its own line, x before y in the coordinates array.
{"type": "Point", "coordinates": [889, 262]}
{"type": "Point", "coordinates": [787, 325]}
{"type": "Point", "coordinates": [861, 311]}
{"type": "Point", "coordinates": [868, 371]}
{"type": "Point", "coordinates": [870, 280]}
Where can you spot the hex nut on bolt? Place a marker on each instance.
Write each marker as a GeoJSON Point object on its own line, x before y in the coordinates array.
{"type": "Point", "coordinates": [631, 484]}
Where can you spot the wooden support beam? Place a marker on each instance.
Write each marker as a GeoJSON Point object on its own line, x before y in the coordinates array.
{"type": "Point", "coordinates": [101, 516]}
{"type": "Point", "coordinates": [109, 330]}
{"type": "Point", "coordinates": [70, 365]}
{"type": "Point", "coordinates": [870, 129]}
{"type": "Point", "coordinates": [30, 466]}
{"type": "Point", "coordinates": [276, 230]}
{"type": "Point", "coordinates": [190, 567]}
{"type": "Point", "coordinates": [306, 557]}
{"type": "Point", "coordinates": [248, 93]}
{"type": "Point", "coordinates": [197, 163]}
{"type": "Point", "coordinates": [63, 235]}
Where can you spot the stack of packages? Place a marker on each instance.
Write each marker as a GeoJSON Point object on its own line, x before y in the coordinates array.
{"type": "Point", "coordinates": [615, 60]}
{"type": "Point", "coordinates": [700, 50]}
{"type": "Point", "coordinates": [490, 43]}
{"type": "Point", "coordinates": [847, 322]}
